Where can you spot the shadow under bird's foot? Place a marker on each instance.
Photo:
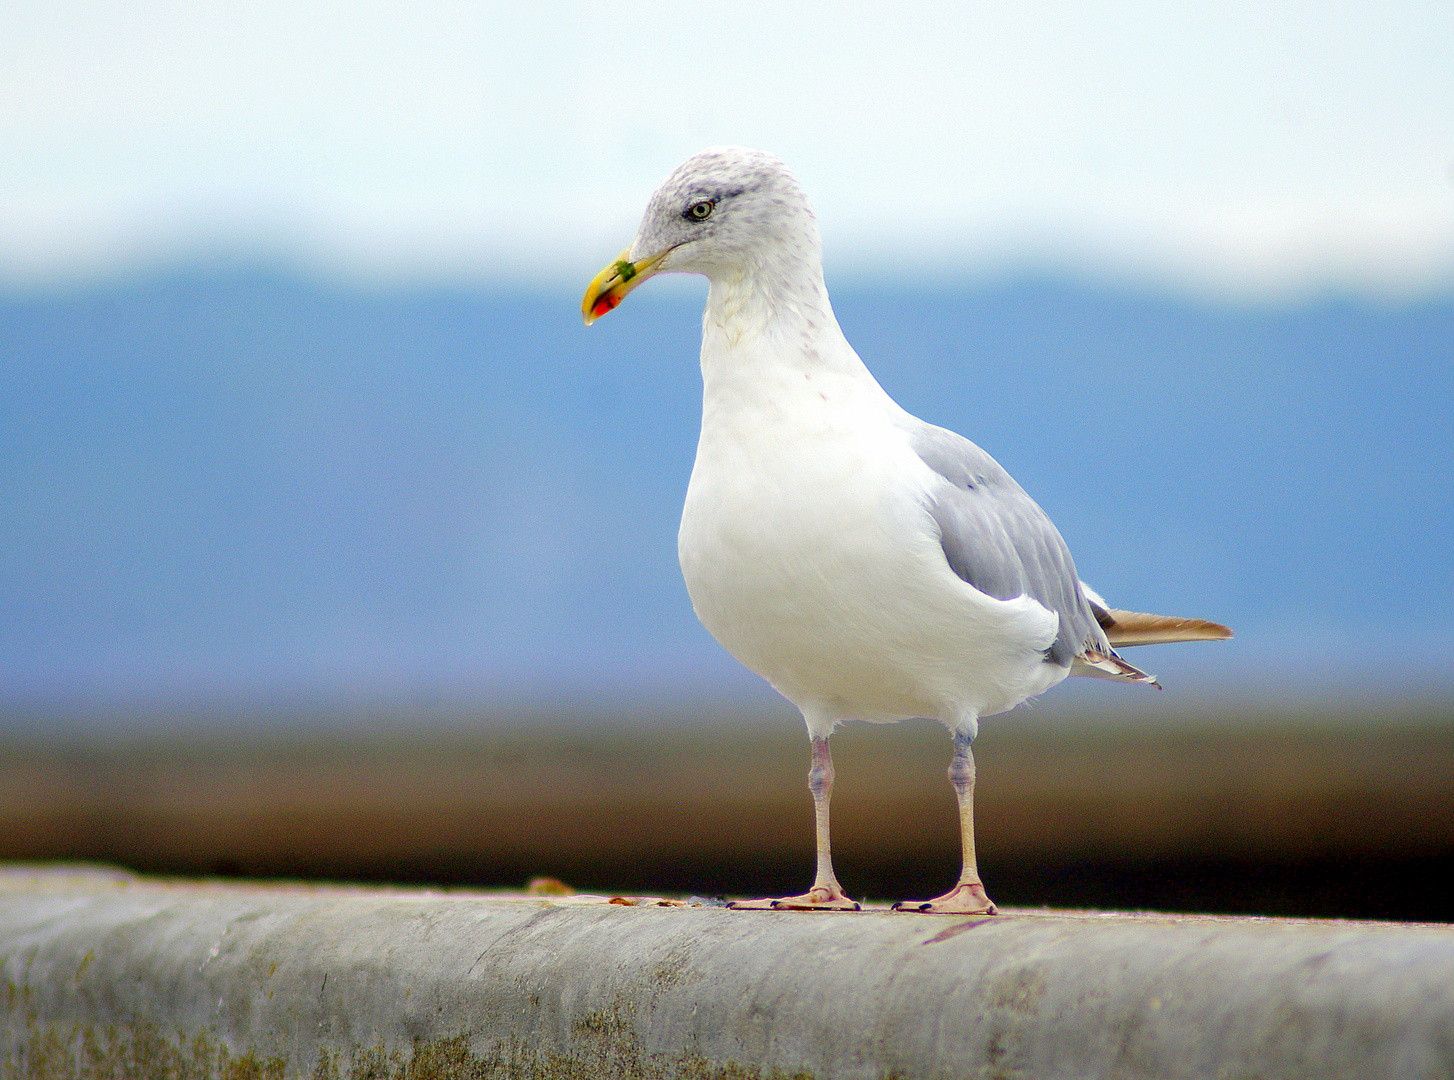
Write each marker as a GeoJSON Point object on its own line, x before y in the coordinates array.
{"type": "Point", "coordinates": [817, 898]}
{"type": "Point", "coordinates": [961, 900]}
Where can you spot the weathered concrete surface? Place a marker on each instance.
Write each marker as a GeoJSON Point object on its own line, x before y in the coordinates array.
{"type": "Point", "coordinates": [109, 976]}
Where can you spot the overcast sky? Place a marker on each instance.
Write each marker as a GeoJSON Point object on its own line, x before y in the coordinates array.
{"type": "Point", "coordinates": [1250, 148]}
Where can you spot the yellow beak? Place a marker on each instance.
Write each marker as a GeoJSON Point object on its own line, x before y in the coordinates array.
{"type": "Point", "coordinates": [610, 286]}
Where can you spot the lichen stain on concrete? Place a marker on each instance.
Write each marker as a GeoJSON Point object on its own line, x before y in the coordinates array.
{"type": "Point", "coordinates": [452, 1059]}
{"type": "Point", "coordinates": [1016, 990]}
{"type": "Point", "coordinates": [1019, 989]}
{"type": "Point", "coordinates": [141, 1053]}
{"type": "Point", "coordinates": [606, 1049]}
{"type": "Point", "coordinates": [86, 962]}
{"type": "Point", "coordinates": [673, 968]}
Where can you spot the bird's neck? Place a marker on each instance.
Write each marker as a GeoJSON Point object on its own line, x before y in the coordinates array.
{"type": "Point", "coordinates": [773, 315]}
{"type": "Point", "coordinates": [771, 345]}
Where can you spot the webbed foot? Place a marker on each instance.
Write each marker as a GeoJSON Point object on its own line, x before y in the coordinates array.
{"type": "Point", "coordinates": [961, 900]}
{"type": "Point", "coordinates": [817, 898]}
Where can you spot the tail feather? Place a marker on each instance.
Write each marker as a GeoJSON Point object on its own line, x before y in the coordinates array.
{"type": "Point", "coordinates": [1127, 628]}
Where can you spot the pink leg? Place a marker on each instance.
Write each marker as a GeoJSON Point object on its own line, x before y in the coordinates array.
{"type": "Point", "coordinates": [968, 896]}
{"type": "Point", "coordinates": [826, 894]}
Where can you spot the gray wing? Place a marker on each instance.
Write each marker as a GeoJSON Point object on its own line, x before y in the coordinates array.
{"type": "Point", "coordinates": [997, 539]}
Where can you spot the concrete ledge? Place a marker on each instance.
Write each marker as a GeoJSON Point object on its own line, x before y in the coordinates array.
{"type": "Point", "coordinates": [105, 975]}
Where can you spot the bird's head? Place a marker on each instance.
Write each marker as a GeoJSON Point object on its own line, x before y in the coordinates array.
{"type": "Point", "coordinates": [728, 211]}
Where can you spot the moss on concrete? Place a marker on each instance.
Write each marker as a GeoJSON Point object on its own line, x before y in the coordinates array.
{"type": "Point", "coordinates": [53, 1052]}
{"type": "Point", "coordinates": [609, 1050]}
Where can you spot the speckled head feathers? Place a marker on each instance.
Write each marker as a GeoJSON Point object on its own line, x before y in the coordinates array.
{"type": "Point", "coordinates": [728, 208]}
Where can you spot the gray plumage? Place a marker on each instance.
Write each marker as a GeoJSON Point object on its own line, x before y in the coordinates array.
{"type": "Point", "coordinates": [999, 540]}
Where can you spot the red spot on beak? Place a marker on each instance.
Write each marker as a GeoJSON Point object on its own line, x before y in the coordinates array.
{"type": "Point", "coordinates": [606, 303]}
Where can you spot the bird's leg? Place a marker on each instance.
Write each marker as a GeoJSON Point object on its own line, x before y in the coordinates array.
{"type": "Point", "coordinates": [968, 896]}
{"type": "Point", "coordinates": [826, 894]}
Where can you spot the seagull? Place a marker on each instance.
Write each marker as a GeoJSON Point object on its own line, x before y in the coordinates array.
{"type": "Point", "coordinates": [867, 564]}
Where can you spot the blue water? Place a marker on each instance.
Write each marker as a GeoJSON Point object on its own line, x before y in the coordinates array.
{"type": "Point", "coordinates": [221, 485]}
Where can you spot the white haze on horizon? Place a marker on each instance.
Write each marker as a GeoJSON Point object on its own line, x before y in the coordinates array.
{"type": "Point", "coordinates": [1244, 150]}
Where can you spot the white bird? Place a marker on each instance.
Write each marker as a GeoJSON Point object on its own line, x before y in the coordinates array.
{"type": "Point", "coordinates": [870, 566]}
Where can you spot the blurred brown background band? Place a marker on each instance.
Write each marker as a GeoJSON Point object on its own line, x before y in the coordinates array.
{"type": "Point", "coordinates": [1343, 814]}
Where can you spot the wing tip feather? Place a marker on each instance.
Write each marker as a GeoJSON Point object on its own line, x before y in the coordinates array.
{"type": "Point", "coordinates": [1107, 665]}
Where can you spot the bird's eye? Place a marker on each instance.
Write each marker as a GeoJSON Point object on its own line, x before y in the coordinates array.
{"type": "Point", "coordinates": [700, 211]}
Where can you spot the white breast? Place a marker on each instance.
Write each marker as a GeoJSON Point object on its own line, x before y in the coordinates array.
{"type": "Point", "coordinates": [810, 555]}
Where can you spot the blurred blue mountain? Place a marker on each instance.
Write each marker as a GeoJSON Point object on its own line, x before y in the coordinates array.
{"type": "Point", "coordinates": [229, 484]}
